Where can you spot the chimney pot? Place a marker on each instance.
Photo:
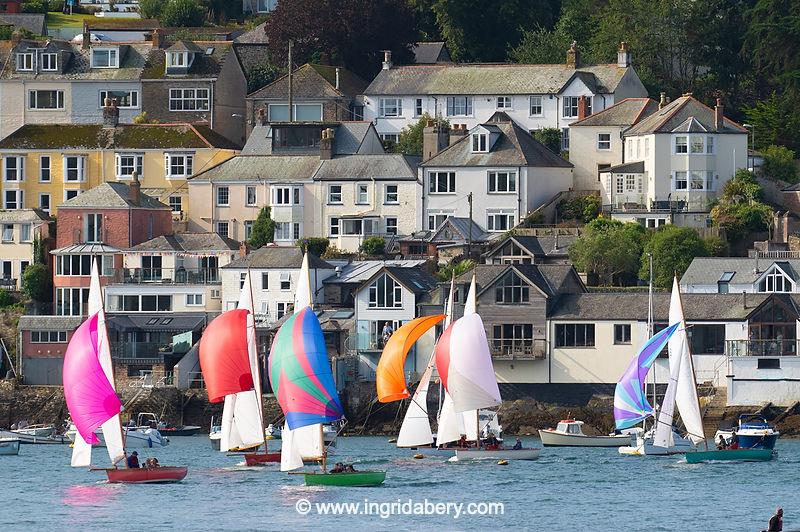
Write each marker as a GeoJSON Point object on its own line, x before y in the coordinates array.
{"type": "Point", "coordinates": [623, 55]}
{"type": "Point", "coordinates": [326, 144]}
{"type": "Point", "coordinates": [262, 116]}
{"type": "Point", "coordinates": [719, 115]}
{"type": "Point", "coordinates": [110, 113]}
{"type": "Point", "coordinates": [573, 56]}
{"type": "Point", "coordinates": [136, 189]}
{"type": "Point", "coordinates": [242, 249]}
{"type": "Point", "coordinates": [387, 59]}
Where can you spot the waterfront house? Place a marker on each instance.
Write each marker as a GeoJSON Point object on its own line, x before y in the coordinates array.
{"type": "Point", "coordinates": [20, 231]}
{"type": "Point", "coordinates": [723, 275]}
{"type": "Point", "coordinates": [520, 248]}
{"type": "Point", "coordinates": [455, 237]}
{"type": "Point", "coordinates": [42, 343]}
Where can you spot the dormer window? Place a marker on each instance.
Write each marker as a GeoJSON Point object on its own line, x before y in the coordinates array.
{"type": "Point", "coordinates": [105, 58]}
{"type": "Point", "coordinates": [775, 281]}
{"type": "Point", "coordinates": [25, 62]}
{"type": "Point", "coordinates": [177, 59]}
{"type": "Point", "coordinates": [480, 142]}
{"type": "Point", "coordinates": [49, 62]}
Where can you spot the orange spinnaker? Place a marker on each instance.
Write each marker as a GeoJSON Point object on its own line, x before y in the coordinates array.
{"type": "Point", "coordinates": [224, 358]}
{"type": "Point", "coordinates": [390, 377]}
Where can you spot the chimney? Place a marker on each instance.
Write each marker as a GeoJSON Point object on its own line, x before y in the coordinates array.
{"type": "Point", "coordinates": [110, 113]}
{"type": "Point", "coordinates": [16, 37]}
{"type": "Point", "coordinates": [243, 249]}
{"type": "Point", "coordinates": [719, 116]}
{"type": "Point", "coordinates": [663, 102]}
{"type": "Point", "coordinates": [326, 144]}
{"type": "Point", "coordinates": [434, 139]}
{"type": "Point", "coordinates": [158, 38]}
{"type": "Point", "coordinates": [262, 117]}
{"type": "Point", "coordinates": [387, 60]}
{"type": "Point", "coordinates": [136, 189]}
{"type": "Point", "coordinates": [623, 55]}
{"type": "Point", "coordinates": [457, 132]}
{"type": "Point", "coordinates": [573, 56]}
{"type": "Point", "coordinates": [785, 228]}
{"type": "Point", "coordinates": [336, 85]}
{"type": "Point", "coordinates": [87, 36]}
{"type": "Point", "coordinates": [583, 107]}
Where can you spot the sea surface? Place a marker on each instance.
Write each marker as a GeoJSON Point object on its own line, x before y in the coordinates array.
{"type": "Point", "coordinates": [566, 489]}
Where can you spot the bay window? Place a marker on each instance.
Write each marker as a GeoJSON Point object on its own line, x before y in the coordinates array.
{"type": "Point", "coordinates": [459, 106]}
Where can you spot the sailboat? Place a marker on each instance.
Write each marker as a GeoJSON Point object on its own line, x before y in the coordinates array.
{"type": "Point", "coordinates": [88, 379]}
{"type": "Point", "coordinates": [301, 377]}
{"type": "Point", "coordinates": [465, 368]}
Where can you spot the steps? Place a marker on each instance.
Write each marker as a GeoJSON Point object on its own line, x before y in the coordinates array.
{"type": "Point", "coordinates": [714, 411]}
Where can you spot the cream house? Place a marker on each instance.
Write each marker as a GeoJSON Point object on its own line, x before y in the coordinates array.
{"type": "Point", "coordinates": [19, 229]}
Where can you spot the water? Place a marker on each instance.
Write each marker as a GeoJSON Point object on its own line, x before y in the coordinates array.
{"type": "Point", "coordinates": [566, 489]}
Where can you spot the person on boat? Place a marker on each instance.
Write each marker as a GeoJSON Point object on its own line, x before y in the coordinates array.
{"type": "Point", "coordinates": [518, 445]}
{"type": "Point", "coordinates": [734, 444]}
{"type": "Point", "coordinates": [131, 423]}
{"type": "Point", "coordinates": [133, 460]}
{"type": "Point", "coordinates": [776, 521]}
{"type": "Point", "coordinates": [462, 442]}
{"type": "Point", "coordinates": [338, 468]}
{"type": "Point", "coordinates": [491, 442]}
{"type": "Point", "coordinates": [349, 468]}
{"type": "Point", "coordinates": [151, 463]}
{"type": "Point", "coordinates": [722, 444]}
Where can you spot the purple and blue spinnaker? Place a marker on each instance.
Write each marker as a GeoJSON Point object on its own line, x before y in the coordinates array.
{"type": "Point", "coordinates": [630, 403]}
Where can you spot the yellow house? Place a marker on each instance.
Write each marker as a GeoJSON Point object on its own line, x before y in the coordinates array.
{"type": "Point", "coordinates": [44, 165]}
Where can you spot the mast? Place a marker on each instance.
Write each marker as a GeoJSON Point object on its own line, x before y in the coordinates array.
{"type": "Point", "coordinates": [258, 386]}
{"type": "Point", "coordinates": [650, 324]}
{"type": "Point", "coordinates": [691, 368]}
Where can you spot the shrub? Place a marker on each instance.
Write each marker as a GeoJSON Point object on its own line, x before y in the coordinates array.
{"type": "Point", "coordinates": [150, 8]}
{"type": "Point", "coordinates": [550, 137]}
{"type": "Point", "coordinates": [6, 299]}
{"type": "Point", "coordinates": [314, 245]}
{"type": "Point", "coordinates": [779, 163]}
{"type": "Point", "coordinates": [455, 269]}
{"type": "Point", "coordinates": [716, 246]}
{"type": "Point", "coordinates": [36, 283]}
{"type": "Point", "coordinates": [34, 6]}
{"type": "Point", "coordinates": [263, 229]}
{"type": "Point", "coordinates": [374, 245]}
{"type": "Point", "coordinates": [182, 13]}
{"type": "Point", "coordinates": [584, 208]}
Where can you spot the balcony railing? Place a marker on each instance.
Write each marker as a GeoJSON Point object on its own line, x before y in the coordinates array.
{"type": "Point", "coordinates": [660, 206]}
{"type": "Point", "coordinates": [167, 276]}
{"type": "Point", "coordinates": [8, 284]}
{"type": "Point", "coordinates": [761, 348]}
{"type": "Point", "coordinates": [140, 351]}
{"type": "Point", "coordinates": [506, 349]}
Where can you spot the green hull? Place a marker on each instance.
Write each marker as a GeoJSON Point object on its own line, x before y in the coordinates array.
{"type": "Point", "coordinates": [742, 455]}
{"type": "Point", "coordinates": [357, 479]}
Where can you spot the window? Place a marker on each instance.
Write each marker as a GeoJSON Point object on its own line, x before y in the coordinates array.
{"type": "Point", "coordinates": [335, 194]}
{"type": "Point", "coordinates": [497, 222]}
{"type": "Point", "coordinates": [48, 337]}
{"type": "Point", "coordinates": [697, 180]}
{"type": "Point", "coordinates": [286, 281]}
{"type": "Point", "coordinates": [282, 309]}
{"type": "Point", "coordinates": [222, 228]}
{"type": "Point", "coordinates": [502, 182]}
{"type": "Point", "coordinates": [105, 58]}
{"type": "Point", "coordinates": [13, 168]}
{"type": "Point", "coordinates": [8, 232]}
{"type": "Point", "coordinates": [604, 141]}
{"type": "Point", "coordinates": [188, 100]}
{"type": "Point", "coordinates": [575, 335]}
{"type": "Point", "coordinates": [646, 148]}
{"type": "Point", "coordinates": [418, 108]}
{"type": "Point", "coordinates": [681, 145]}
{"type": "Point", "coordinates": [698, 145]}
{"type": "Point", "coordinates": [390, 195]}
{"type": "Point", "coordinates": [44, 202]}
{"type": "Point", "coordinates": [389, 139]}
{"type": "Point", "coordinates": [620, 185]}
{"type": "Point", "coordinates": [709, 145]}
{"type": "Point", "coordinates": [361, 195]}
{"type": "Point", "coordinates": [504, 102]}
{"type": "Point", "coordinates": [564, 139]}
{"type": "Point", "coordinates": [630, 183]}
{"type": "Point", "coordinates": [179, 164]}
{"type": "Point", "coordinates": [333, 227]}
{"type": "Point", "coordinates": [25, 61]}
{"type": "Point", "coordinates": [176, 203]}
{"type": "Point", "coordinates": [512, 338]}
{"type": "Point", "coordinates": [707, 339]}
{"type": "Point", "coordinates": [93, 227]}
{"type": "Point", "coordinates": [223, 196]}
{"type": "Point", "coordinates": [296, 195]}
{"type": "Point", "coordinates": [265, 281]}
{"type": "Point", "coordinates": [480, 142]}
{"type": "Point", "coordinates": [459, 106]}
{"type": "Point", "coordinates": [23, 265]}
{"type": "Point", "coordinates": [71, 301]}
{"type": "Point", "coordinates": [391, 226]}
{"type": "Point", "coordinates": [251, 196]}
{"type": "Point", "coordinates": [12, 199]}
{"type": "Point", "coordinates": [536, 106]}
{"type": "Point", "coordinates": [248, 229]}
{"type": "Point", "coordinates": [385, 292]}
{"type": "Point", "coordinates": [69, 194]}
{"type": "Point", "coordinates": [775, 281]}
{"type": "Point", "coordinates": [194, 299]}
{"type": "Point", "coordinates": [49, 62]}
{"type": "Point", "coordinates": [680, 181]}
{"type": "Point", "coordinates": [177, 59]}
{"type": "Point", "coordinates": [570, 106]}
{"type": "Point", "coordinates": [283, 230]}
{"type": "Point", "coordinates": [143, 303]}
{"type": "Point", "coordinates": [511, 289]}
{"type": "Point", "coordinates": [128, 163]}
{"type": "Point", "coordinates": [25, 233]}
{"type": "Point", "coordinates": [125, 99]}
{"type": "Point", "coordinates": [390, 107]}
{"type": "Point", "coordinates": [75, 168]}
{"type": "Point", "coordinates": [282, 196]}
{"type": "Point", "coordinates": [436, 219]}
{"type": "Point", "coordinates": [41, 99]}
{"type": "Point", "coordinates": [45, 174]}
{"type": "Point", "coordinates": [442, 182]}
{"type": "Point", "coordinates": [622, 333]}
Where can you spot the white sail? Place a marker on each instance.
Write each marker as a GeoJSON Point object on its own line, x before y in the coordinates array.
{"type": "Point", "coordinates": [299, 444]}
{"type": "Point", "coordinates": [470, 417]}
{"type": "Point", "coordinates": [416, 427]}
{"type": "Point", "coordinates": [302, 296]}
{"type": "Point", "coordinates": [686, 389]}
{"type": "Point", "coordinates": [471, 303]}
{"type": "Point", "coordinates": [471, 380]}
{"type": "Point", "coordinates": [663, 435]}
{"type": "Point", "coordinates": [229, 437]}
{"type": "Point", "coordinates": [451, 424]}
{"type": "Point", "coordinates": [290, 456]}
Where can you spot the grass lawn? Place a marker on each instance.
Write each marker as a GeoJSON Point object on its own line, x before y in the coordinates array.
{"type": "Point", "coordinates": [60, 20]}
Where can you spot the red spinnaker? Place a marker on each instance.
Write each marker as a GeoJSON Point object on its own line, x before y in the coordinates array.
{"type": "Point", "coordinates": [443, 355]}
{"type": "Point", "coordinates": [224, 358]}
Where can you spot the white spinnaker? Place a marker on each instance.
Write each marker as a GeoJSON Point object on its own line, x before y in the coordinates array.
{"type": "Point", "coordinates": [450, 425]}
{"type": "Point", "coordinates": [301, 443]}
{"type": "Point", "coordinates": [470, 417]}
{"type": "Point", "coordinates": [471, 379]}
{"type": "Point", "coordinates": [416, 427]}
{"type": "Point", "coordinates": [686, 395]}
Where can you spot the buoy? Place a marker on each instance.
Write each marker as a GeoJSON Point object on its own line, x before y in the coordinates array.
{"type": "Point", "coordinates": [392, 440]}
{"type": "Point", "coordinates": [502, 462]}
{"type": "Point", "coordinates": [419, 456]}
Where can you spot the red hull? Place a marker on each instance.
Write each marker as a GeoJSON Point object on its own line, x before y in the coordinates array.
{"type": "Point", "coordinates": [257, 459]}
{"type": "Point", "coordinates": [145, 475]}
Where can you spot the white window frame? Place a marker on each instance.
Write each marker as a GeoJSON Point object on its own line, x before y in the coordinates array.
{"type": "Point", "coordinates": [176, 201]}
{"type": "Point", "coordinates": [391, 290]}
{"type": "Point", "coordinates": [685, 145]}
{"type": "Point", "coordinates": [251, 196]}
{"type": "Point", "coordinates": [178, 60]}
{"type": "Point", "coordinates": [135, 165]}
{"type": "Point", "coordinates": [435, 180]}
{"type": "Point", "coordinates": [570, 104]}
{"type": "Point", "coordinates": [111, 53]}
{"type": "Point", "coordinates": [390, 107]}
{"type": "Point", "coordinates": [283, 231]}
{"type": "Point", "coordinates": [132, 97]}
{"type": "Point", "coordinates": [362, 189]}
{"type": "Point", "coordinates": [8, 234]}
{"type": "Point", "coordinates": [219, 231]}
{"type": "Point", "coordinates": [697, 142]}
{"type": "Point", "coordinates": [25, 232]}
{"type": "Point", "coordinates": [182, 100]}
{"type": "Point", "coordinates": [42, 169]}
{"type": "Point", "coordinates": [48, 62]}
{"type": "Point", "coordinates": [248, 229]}
{"type": "Point", "coordinates": [391, 225]}
{"type": "Point", "coordinates": [387, 195]}
{"type": "Point", "coordinates": [493, 182]}
{"type": "Point", "coordinates": [33, 100]}
{"type": "Point", "coordinates": [18, 170]}
{"type": "Point", "coordinates": [194, 300]}
{"type": "Point", "coordinates": [171, 160]}
{"type": "Point", "coordinates": [80, 168]}
{"type": "Point", "coordinates": [49, 202]}
{"type": "Point", "coordinates": [25, 62]}
{"type": "Point", "coordinates": [480, 142]}
{"type": "Point", "coordinates": [222, 197]}
{"type": "Point", "coordinates": [491, 221]}
{"type": "Point", "coordinates": [93, 227]}
{"type": "Point", "coordinates": [334, 226]}
{"type": "Point", "coordinates": [604, 141]}
{"type": "Point", "coordinates": [685, 180]}
{"type": "Point", "coordinates": [285, 281]}
{"type": "Point", "coordinates": [419, 107]}
{"type": "Point", "coordinates": [710, 145]}
{"type": "Point", "coordinates": [436, 218]}
{"type": "Point", "coordinates": [333, 195]}
{"type": "Point", "coordinates": [456, 107]}
{"type": "Point", "coordinates": [504, 103]}
{"type": "Point", "coordinates": [19, 199]}
{"type": "Point", "coordinates": [71, 191]}
{"type": "Point", "coordinates": [534, 103]}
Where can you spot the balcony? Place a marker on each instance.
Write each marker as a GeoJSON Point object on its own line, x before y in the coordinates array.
{"type": "Point", "coordinates": [673, 205]}
{"type": "Point", "coordinates": [8, 283]}
{"type": "Point", "coordinates": [140, 352]}
{"type": "Point", "coordinates": [506, 349]}
{"type": "Point", "coordinates": [761, 348]}
{"type": "Point", "coordinates": [179, 276]}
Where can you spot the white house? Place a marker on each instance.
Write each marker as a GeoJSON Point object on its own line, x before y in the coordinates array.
{"type": "Point", "coordinates": [499, 165]}
{"type": "Point", "coordinates": [21, 228]}
{"type": "Point", "coordinates": [675, 162]}
{"type": "Point", "coordinates": [534, 96]}
{"type": "Point", "coordinates": [274, 273]}
{"type": "Point", "coordinates": [723, 275]}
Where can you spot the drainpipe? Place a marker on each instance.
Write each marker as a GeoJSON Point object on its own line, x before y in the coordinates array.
{"type": "Point", "coordinates": [519, 194]}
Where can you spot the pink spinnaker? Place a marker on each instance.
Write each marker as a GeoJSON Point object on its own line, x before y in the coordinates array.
{"type": "Point", "coordinates": [91, 399]}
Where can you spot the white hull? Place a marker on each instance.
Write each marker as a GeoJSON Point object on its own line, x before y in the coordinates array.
{"type": "Point", "coordinates": [497, 454]}
{"type": "Point", "coordinates": [553, 438]}
{"type": "Point", "coordinates": [134, 438]}
{"type": "Point", "coordinates": [9, 447]}
{"type": "Point", "coordinates": [646, 448]}
{"type": "Point", "coordinates": [25, 438]}
{"type": "Point", "coordinates": [38, 431]}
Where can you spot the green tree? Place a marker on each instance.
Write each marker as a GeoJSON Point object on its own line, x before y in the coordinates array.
{"type": "Point", "coordinates": [455, 269]}
{"type": "Point", "coordinates": [374, 245]}
{"type": "Point", "coordinates": [314, 245]}
{"type": "Point", "coordinates": [151, 8]}
{"type": "Point", "coordinates": [740, 209]}
{"type": "Point", "coordinates": [6, 299]}
{"type": "Point", "coordinates": [542, 46]}
{"type": "Point", "coordinates": [550, 137]}
{"type": "Point", "coordinates": [410, 139]}
{"type": "Point", "coordinates": [261, 76]}
{"type": "Point", "coordinates": [673, 249]}
{"type": "Point", "coordinates": [583, 209]}
{"type": "Point", "coordinates": [263, 229]}
{"type": "Point", "coordinates": [609, 250]}
{"type": "Point", "coordinates": [779, 164]}
{"type": "Point", "coordinates": [716, 246]}
{"type": "Point", "coordinates": [182, 13]}
{"type": "Point", "coordinates": [37, 282]}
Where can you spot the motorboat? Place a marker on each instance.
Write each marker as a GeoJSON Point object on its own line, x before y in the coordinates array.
{"type": "Point", "coordinates": [145, 420]}
{"type": "Point", "coordinates": [9, 446]}
{"type": "Point", "coordinates": [272, 432]}
{"type": "Point", "coordinates": [57, 439]}
{"type": "Point", "coordinates": [37, 431]}
{"type": "Point", "coordinates": [569, 433]}
{"type": "Point", "coordinates": [215, 435]}
{"type": "Point", "coordinates": [135, 437]}
{"type": "Point", "coordinates": [754, 433]}
{"type": "Point", "coordinates": [641, 444]}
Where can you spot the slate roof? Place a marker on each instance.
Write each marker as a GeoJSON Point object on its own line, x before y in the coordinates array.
{"type": "Point", "coordinates": [111, 196]}
{"type": "Point", "coordinates": [282, 169]}
{"type": "Point", "coordinates": [188, 242]}
{"type": "Point", "coordinates": [548, 278]}
{"type": "Point", "coordinates": [461, 227]}
{"type": "Point", "coordinates": [415, 279]}
{"type": "Point", "coordinates": [633, 168]}
{"type": "Point", "coordinates": [359, 271]}
{"type": "Point", "coordinates": [491, 79]}
{"type": "Point", "coordinates": [33, 22]}
{"type": "Point", "coordinates": [62, 323]}
{"type": "Point", "coordinates": [257, 35]}
{"type": "Point", "coordinates": [430, 53]}
{"type": "Point", "coordinates": [708, 270]}
{"type": "Point", "coordinates": [624, 113]}
{"type": "Point", "coordinates": [349, 137]}
{"type": "Point", "coordinates": [274, 257]}
{"type": "Point", "coordinates": [633, 306]}
{"type": "Point", "coordinates": [676, 113]}
{"type": "Point", "coordinates": [383, 167]}
{"type": "Point", "coordinates": [23, 215]}
{"type": "Point", "coordinates": [312, 81]}
{"type": "Point", "coordinates": [203, 66]}
{"type": "Point", "coordinates": [514, 147]}
{"type": "Point", "coordinates": [251, 56]}
{"type": "Point", "coordinates": [124, 136]}
{"type": "Point", "coordinates": [538, 246]}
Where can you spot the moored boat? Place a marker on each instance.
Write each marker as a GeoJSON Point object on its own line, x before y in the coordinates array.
{"type": "Point", "coordinates": [135, 437]}
{"type": "Point", "coordinates": [262, 458]}
{"type": "Point", "coordinates": [569, 433]}
{"type": "Point", "coordinates": [147, 475]}
{"type": "Point", "coordinates": [9, 446]}
{"type": "Point", "coordinates": [754, 432]}
{"type": "Point", "coordinates": [497, 454]}
{"type": "Point", "coordinates": [39, 431]}
{"type": "Point", "coordinates": [727, 455]}
{"type": "Point", "coordinates": [642, 445]}
{"type": "Point", "coordinates": [53, 439]}
{"type": "Point", "coordinates": [357, 479]}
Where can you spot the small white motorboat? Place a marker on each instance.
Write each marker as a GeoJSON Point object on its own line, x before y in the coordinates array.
{"type": "Point", "coordinates": [496, 454]}
{"type": "Point", "coordinates": [642, 445]}
{"type": "Point", "coordinates": [9, 446]}
{"type": "Point", "coordinates": [134, 437]}
{"type": "Point", "coordinates": [38, 431]}
{"type": "Point", "coordinates": [33, 439]}
{"type": "Point", "coordinates": [569, 433]}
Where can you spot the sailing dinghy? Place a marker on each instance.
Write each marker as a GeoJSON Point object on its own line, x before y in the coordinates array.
{"type": "Point", "coordinates": [88, 379]}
